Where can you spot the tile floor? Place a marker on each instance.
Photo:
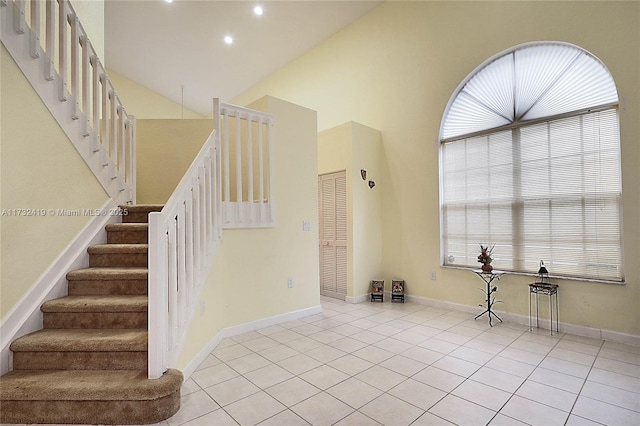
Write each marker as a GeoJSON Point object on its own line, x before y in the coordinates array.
{"type": "Point", "coordinates": [409, 364]}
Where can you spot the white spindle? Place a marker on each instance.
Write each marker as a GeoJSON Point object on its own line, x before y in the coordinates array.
{"type": "Point", "coordinates": [35, 29]}
{"type": "Point", "coordinates": [157, 318]}
{"type": "Point", "coordinates": [227, 177]}
{"type": "Point", "coordinates": [197, 232]}
{"type": "Point", "coordinates": [189, 260]}
{"type": "Point", "coordinates": [95, 107]}
{"type": "Point", "coordinates": [172, 259]}
{"type": "Point", "coordinates": [19, 18]}
{"type": "Point", "coordinates": [269, 170]}
{"type": "Point", "coordinates": [120, 139]}
{"type": "Point", "coordinates": [86, 47]}
{"type": "Point", "coordinates": [132, 159]}
{"type": "Point", "coordinates": [202, 205]}
{"type": "Point", "coordinates": [238, 167]}
{"type": "Point", "coordinates": [113, 133]}
{"type": "Point", "coordinates": [182, 285]}
{"type": "Point", "coordinates": [250, 162]}
{"type": "Point", "coordinates": [75, 65]}
{"type": "Point", "coordinates": [62, 48]}
{"type": "Point", "coordinates": [50, 13]}
{"type": "Point", "coordinates": [260, 170]}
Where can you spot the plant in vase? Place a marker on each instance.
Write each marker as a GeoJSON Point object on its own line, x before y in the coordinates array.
{"type": "Point", "coordinates": [485, 258]}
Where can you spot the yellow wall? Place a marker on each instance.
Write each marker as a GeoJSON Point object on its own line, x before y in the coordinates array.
{"type": "Point", "coordinates": [395, 69]}
{"type": "Point", "coordinates": [40, 169]}
{"type": "Point", "coordinates": [145, 103]}
{"type": "Point", "coordinates": [91, 15]}
{"type": "Point", "coordinates": [165, 150]}
{"type": "Point", "coordinates": [248, 281]}
{"type": "Point", "coordinates": [352, 147]}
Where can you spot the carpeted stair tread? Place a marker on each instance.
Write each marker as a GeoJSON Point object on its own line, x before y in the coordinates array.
{"type": "Point", "coordinates": [127, 227]}
{"type": "Point", "coordinates": [97, 304]}
{"type": "Point", "coordinates": [87, 385]}
{"type": "Point", "coordinates": [82, 340]}
{"type": "Point", "coordinates": [108, 274]}
{"type": "Point", "coordinates": [118, 248]}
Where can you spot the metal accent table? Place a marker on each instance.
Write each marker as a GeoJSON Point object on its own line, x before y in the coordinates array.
{"type": "Point", "coordinates": [547, 290]}
{"type": "Point", "coordinates": [488, 278]}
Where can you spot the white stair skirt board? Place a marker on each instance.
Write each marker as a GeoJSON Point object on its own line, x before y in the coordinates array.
{"type": "Point", "coordinates": [236, 330]}
{"type": "Point", "coordinates": [26, 317]}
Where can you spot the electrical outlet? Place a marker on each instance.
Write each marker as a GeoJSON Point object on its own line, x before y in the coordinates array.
{"type": "Point", "coordinates": [433, 275]}
{"type": "Point", "coordinates": [290, 282]}
{"type": "Point", "coordinates": [306, 225]}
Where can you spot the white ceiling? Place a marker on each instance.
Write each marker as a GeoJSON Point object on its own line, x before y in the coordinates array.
{"type": "Point", "coordinates": [164, 46]}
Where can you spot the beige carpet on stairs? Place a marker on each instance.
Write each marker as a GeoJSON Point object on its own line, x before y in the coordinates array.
{"type": "Point", "coordinates": [88, 365]}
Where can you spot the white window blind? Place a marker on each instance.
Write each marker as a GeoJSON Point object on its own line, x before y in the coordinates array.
{"type": "Point", "coordinates": [545, 189]}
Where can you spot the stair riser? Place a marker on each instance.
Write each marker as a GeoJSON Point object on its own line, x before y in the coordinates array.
{"type": "Point", "coordinates": [79, 361]}
{"type": "Point", "coordinates": [127, 237]}
{"type": "Point", "coordinates": [117, 260]}
{"type": "Point", "coordinates": [88, 320]}
{"type": "Point", "coordinates": [91, 412]}
{"type": "Point", "coordinates": [107, 287]}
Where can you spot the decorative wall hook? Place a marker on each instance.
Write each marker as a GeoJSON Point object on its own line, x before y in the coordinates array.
{"type": "Point", "coordinates": [371, 184]}
{"type": "Point", "coordinates": [363, 173]}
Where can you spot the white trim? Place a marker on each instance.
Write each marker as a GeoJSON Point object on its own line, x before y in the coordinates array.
{"type": "Point", "coordinates": [236, 330]}
{"type": "Point", "coordinates": [357, 299]}
{"type": "Point", "coordinates": [580, 330]}
{"type": "Point", "coordinates": [25, 316]}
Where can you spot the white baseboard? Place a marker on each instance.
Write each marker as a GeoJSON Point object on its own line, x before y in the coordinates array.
{"type": "Point", "coordinates": [236, 330]}
{"type": "Point", "coordinates": [25, 317]}
{"type": "Point", "coordinates": [579, 330]}
{"type": "Point", "coordinates": [357, 299]}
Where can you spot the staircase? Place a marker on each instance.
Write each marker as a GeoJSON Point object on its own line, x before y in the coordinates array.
{"type": "Point", "coordinates": [89, 363]}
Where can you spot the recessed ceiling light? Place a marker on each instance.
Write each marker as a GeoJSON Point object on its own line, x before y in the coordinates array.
{"type": "Point", "coordinates": [228, 39]}
{"type": "Point", "coordinates": [169, 1]}
{"type": "Point", "coordinates": [258, 10]}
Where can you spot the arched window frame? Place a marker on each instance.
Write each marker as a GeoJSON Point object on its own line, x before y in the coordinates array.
{"type": "Point", "coordinates": [480, 118]}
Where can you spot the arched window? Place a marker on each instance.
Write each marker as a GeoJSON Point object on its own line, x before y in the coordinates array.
{"type": "Point", "coordinates": [530, 162]}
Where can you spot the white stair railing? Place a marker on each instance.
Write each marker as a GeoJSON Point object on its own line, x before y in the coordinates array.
{"type": "Point", "coordinates": [247, 200]}
{"type": "Point", "coordinates": [183, 238]}
{"type": "Point", "coordinates": [62, 66]}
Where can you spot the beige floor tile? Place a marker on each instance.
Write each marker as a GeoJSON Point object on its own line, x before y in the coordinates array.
{"type": "Point", "coordinates": [347, 344]}
{"type": "Point", "coordinates": [326, 336]}
{"type": "Point", "coordinates": [557, 380]}
{"type": "Point", "coordinates": [381, 378]}
{"type": "Point", "coordinates": [231, 391]}
{"type": "Point", "coordinates": [390, 410]}
{"type": "Point", "coordinates": [325, 353]}
{"type": "Point", "coordinates": [461, 412]}
{"type": "Point", "coordinates": [612, 395]}
{"type": "Point", "coordinates": [547, 395]}
{"type": "Point", "coordinates": [368, 336]}
{"type": "Point", "coordinates": [218, 417]}
{"type": "Point", "coordinates": [484, 346]}
{"type": "Point", "coordinates": [303, 344]}
{"type": "Point", "coordinates": [192, 406]}
{"type": "Point", "coordinates": [354, 392]}
{"type": "Point", "coordinates": [346, 329]}
{"type": "Point", "coordinates": [621, 356]}
{"type": "Point", "coordinates": [284, 418]}
{"type": "Point", "coordinates": [428, 419]}
{"type": "Point", "coordinates": [298, 364]}
{"type": "Point", "coordinates": [307, 329]}
{"type": "Point", "coordinates": [292, 391]}
{"type": "Point", "coordinates": [248, 363]}
{"type": "Point", "coordinates": [573, 356]}
{"type": "Point", "coordinates": [456, 366]}
{"type": "Point", "coordinates": [231, 352]}
{"type": "Point", "coordinates": [580, 421]}
{"type": "Point", "coordinates": [417, 393]}
{"type": "Point", "coordinates": [502, 420]}
{"type": "Point", "coordinates": [534, 413]}
{"type": "Point", "coordinates": [324, 376]}
{"type": "Point", "coordinates": [393, 345]}
{"type": "Point", "coordinates": [357, 419]}
{"type": "Point", "coordinates": [254, 409]}
{"type": "Point", "coordinates": [439, 379]}
{"type": "Point", "coordinates": [481, 394]}
{"type": "Point", "coordinates": [510, 366]}
{"type": "Point", "coordinates": [322, 409]}
{"type": "Point", "coordinates": [423, 355]}
{"type": "Point", "coordinates": [213, 375]}
{"type": "Point", "coordinates": [278, 353]}
{"type": "Point", "coordinates": [189, 386]}
{"type": "Point", "coordinates": [209, 361]}
{"type": "Point", "coordinates": [472, 355]}
{"type": "Point", "coordinates": [285, 336]}
{"type": "Point", "coordinates": [437, 345]}
{"type": "Point", "coordinates": [268, 376]}
{"type": "Point", "coordinates": [350, 364]}
{"type": "Point", "coordinates": [403, 365]}
{"type": "Point", "coordinates": [617, 380]}
{"type": "Point", "coordinates": [451, 337]}
{"type": "Point", "coordinates": [566, 367]}
{"type": "Point", "coordinates": [522, 355]}
{"type": "Point", "coordinates": [497, 379]}
{"type": "Point", "coordinates": [373, 354]}
{"type": "Point", "coordinates": [260, 344]}
{"type": "Point", "coordinates": [618, 367]}
{"type": "Point", "coordinates": [246, 337]}
{"type": "Point", "coordinates": [604, 413]}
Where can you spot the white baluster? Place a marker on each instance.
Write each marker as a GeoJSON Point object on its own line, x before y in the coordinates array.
{"type": "Point", "coordinates": [50, 9]}
{"type": "Point", "coordinates": [35, 29]}
{"type": "Point", "coordinates": [19, 24]}
{"type": "Point", "coordinates": [95, 98]}
{"type": "Point", "coordinates": [62, 48]}
{"type": "Point", "coordinates": [86, 48]}
{"type": "Point", "coordinates": [157, 317]}
{"type": "Point", "coordinates": [260, 170]}
{"type": "Point", "coordinates": [75, 66]}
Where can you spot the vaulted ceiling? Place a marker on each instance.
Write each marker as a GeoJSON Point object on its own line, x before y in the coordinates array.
{"type": "Point", "coordinates": [177, 48]}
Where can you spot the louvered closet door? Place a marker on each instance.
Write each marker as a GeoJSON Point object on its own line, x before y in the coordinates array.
{"type": "Point", "coordinates": [332, 202]}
